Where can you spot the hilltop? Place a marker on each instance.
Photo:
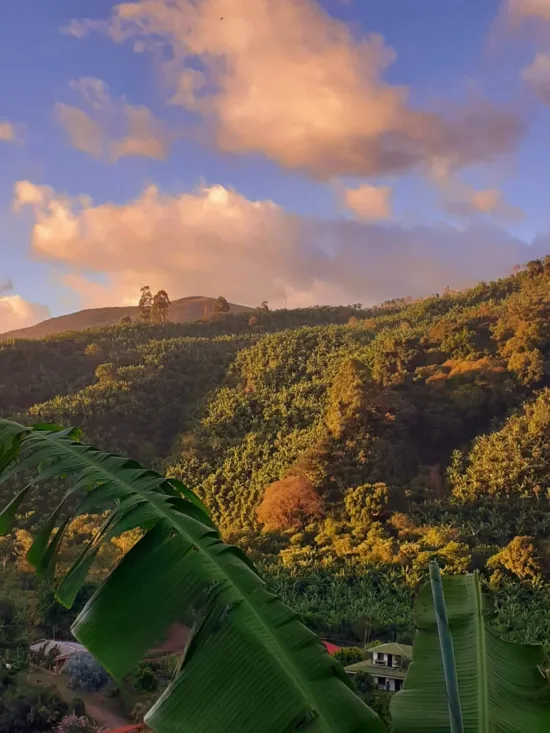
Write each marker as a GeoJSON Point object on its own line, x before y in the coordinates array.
{"type": "Point", "coordinates": [191, 308]}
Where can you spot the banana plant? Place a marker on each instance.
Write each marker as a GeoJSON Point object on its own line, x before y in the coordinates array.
{"type": "Point", "coordinates": [249, 664]}
{"type": "Point", "coordinates": [463, 677]}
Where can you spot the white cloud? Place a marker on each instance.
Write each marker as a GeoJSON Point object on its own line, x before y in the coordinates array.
{"type": "Point", "coordinates": [95, 130]}
{"type": "Point", "coordinates": [15, 313]}
{"type": "Point", "coordinates": [214, 240]}
{"type": "Point", "coordinates": [369, 202]}
{"type": "Point", "coordinates": [288, 80]}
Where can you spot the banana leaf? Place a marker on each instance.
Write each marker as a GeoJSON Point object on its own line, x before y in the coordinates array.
{"type": "Point", "coordinates": [501, 687]}
{"type": "Point", "coordinates": [249, 665]}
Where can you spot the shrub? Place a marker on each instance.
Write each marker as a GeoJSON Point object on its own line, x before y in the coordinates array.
{"type": "Point", "coordinates": [85, 673]}
{"type": "Point", "coordinates": [106, 372]}
{"type": "Point", "coordinates": [30, 710]}
{"type": "Point", "coordinates": [348, 655]}
{"type": "Point", "coordinates": [146, 678]}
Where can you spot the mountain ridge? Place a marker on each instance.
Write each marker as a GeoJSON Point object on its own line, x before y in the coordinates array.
{"type": "Point", "coordinates": [189, 308]}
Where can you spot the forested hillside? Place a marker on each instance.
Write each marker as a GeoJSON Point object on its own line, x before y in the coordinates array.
{"type": "Point", "coordinates": [344, 448]}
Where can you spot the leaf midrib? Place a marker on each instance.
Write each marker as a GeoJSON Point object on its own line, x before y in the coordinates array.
{"type": "Point", "coordinates": [481, 652]}
{"type": "Point", "coordinates": [84, 454]}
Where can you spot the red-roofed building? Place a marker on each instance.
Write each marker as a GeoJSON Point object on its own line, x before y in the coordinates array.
{"type": "Point", "coordinates": [331, 648]}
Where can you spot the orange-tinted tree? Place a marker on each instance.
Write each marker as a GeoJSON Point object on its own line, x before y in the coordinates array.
{"type": "Point", "coordinates": [289, 504]}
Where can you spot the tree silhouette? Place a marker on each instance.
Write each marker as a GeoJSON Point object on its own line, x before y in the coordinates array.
{"type": "Point", "coordinates": [145, 304]}
{"type": "Point", "coordinates": [221, 305]}
{"type": "Point", "coordinates": [161, 306]}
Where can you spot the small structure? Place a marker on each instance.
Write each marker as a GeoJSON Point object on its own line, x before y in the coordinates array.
{"type": "Point", "coordinates": [387, 663]}
{"type": "Point", "coordinates": [50, 653]}
{"type": "Point", "coordinates": [330, 647]}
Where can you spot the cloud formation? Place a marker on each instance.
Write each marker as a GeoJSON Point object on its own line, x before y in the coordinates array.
{"type": "Point", "coordinates": [7, 132]}
{"type": "Point", "coordinates": [461, 199]}
{"type": "Point", "coordinates": [215, 241]}
{"type": "Point", "coordinates": [96, 129]}
{"type": "Point", "coordinates": [287, 80]}
{"type": "Point", "coordinates": [369, 202]}
{"type": "Point", "coordinates": [537, 75]}
{"type": "Point", "coordinates": [530, 8]}
{"type": "Point", "coordinates": [15, 313]}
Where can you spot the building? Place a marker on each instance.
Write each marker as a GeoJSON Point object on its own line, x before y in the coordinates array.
{"type": "Point", "coordinates": [55, 653]}
{"type": "Point", "coordinates": [330, 647]}
{"type": "Point", "coordinates": [387, 664]}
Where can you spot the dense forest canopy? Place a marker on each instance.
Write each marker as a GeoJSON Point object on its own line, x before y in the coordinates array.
{"type": "Point", "coordinates": [389, 437]}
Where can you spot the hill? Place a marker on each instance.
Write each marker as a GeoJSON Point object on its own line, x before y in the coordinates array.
{"type": "Point", "coordinates": [184, 309]}
{"type": "Point", "coordinates": [344, 448]}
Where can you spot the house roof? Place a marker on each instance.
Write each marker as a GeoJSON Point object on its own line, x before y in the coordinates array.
{"type": "Point", "coordinates": [377, 670]}
{"type": "Point", "coordinates": [401, 650]}
{"type": "Point", "coordinates": [66, 648]}
{"type": "Point", "coordinates": [331, 648]}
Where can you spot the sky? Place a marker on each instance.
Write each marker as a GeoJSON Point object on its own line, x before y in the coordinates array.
{"type": "Point", "coordinates": [301, 151]}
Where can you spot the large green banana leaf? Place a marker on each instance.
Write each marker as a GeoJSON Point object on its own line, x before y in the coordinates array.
{"type": "Point", "coordinates": [250, 665]}
{"type": "Point", "coordinates": [500, 685]}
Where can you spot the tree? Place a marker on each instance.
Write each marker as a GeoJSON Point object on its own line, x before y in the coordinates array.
{"type": "Point", "coordinates": [221, 305]}
{"type": "Point", "coordinates": [106, 373]}
{"type": "Point", "coordinates": [145, 304]}
{"type": "Point", "coordinates": [289, 504]}
{"type": "Point", "coordinates": [348, 655]}
{"type": "Point", "coordinates": [29, 709]}
{"type": "Point", "coordinates": [84, 673]}
{"type": "Point", "coordinates": [367, 502]}
{"type": "Point", "coordinates": [519, 557]}
{"type": "Point", "coordinates": [264, 306]}
{"type": "Point", "coordinates": [125, 321]}
{"type": "Point", "coordinates": [161, 306]}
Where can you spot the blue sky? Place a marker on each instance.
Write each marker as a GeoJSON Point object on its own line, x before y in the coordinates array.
{"type": "Point", "coordinates": [464, 53]}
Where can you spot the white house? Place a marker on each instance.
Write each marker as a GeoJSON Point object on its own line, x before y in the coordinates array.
{"type": "Point", "coordinates": [386, 664]}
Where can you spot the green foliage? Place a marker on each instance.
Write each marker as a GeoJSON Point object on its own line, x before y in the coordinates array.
{"type": "Point", "coordinates": [185, 572]}
{"type": "Point", "coordinates": [28, 709]}
{"type": "Point", "coordinates": [367, 502]}
{"type": "Point", "coordinates": [348, 655]}
{"type": "Point", "coordinates": [441, 403]}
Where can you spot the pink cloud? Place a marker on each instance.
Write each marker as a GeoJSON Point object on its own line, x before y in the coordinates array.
{"type": "Point", "coordinates": [288, 80]}
{"type": "Point", "coordinates": [94, 130]}
{"type": "Point", "coordinates": [15, 312]}
{"type": "Point", "coordinates": [214, 240]}
{"type": "Point", "coordinates": [369, 203]}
